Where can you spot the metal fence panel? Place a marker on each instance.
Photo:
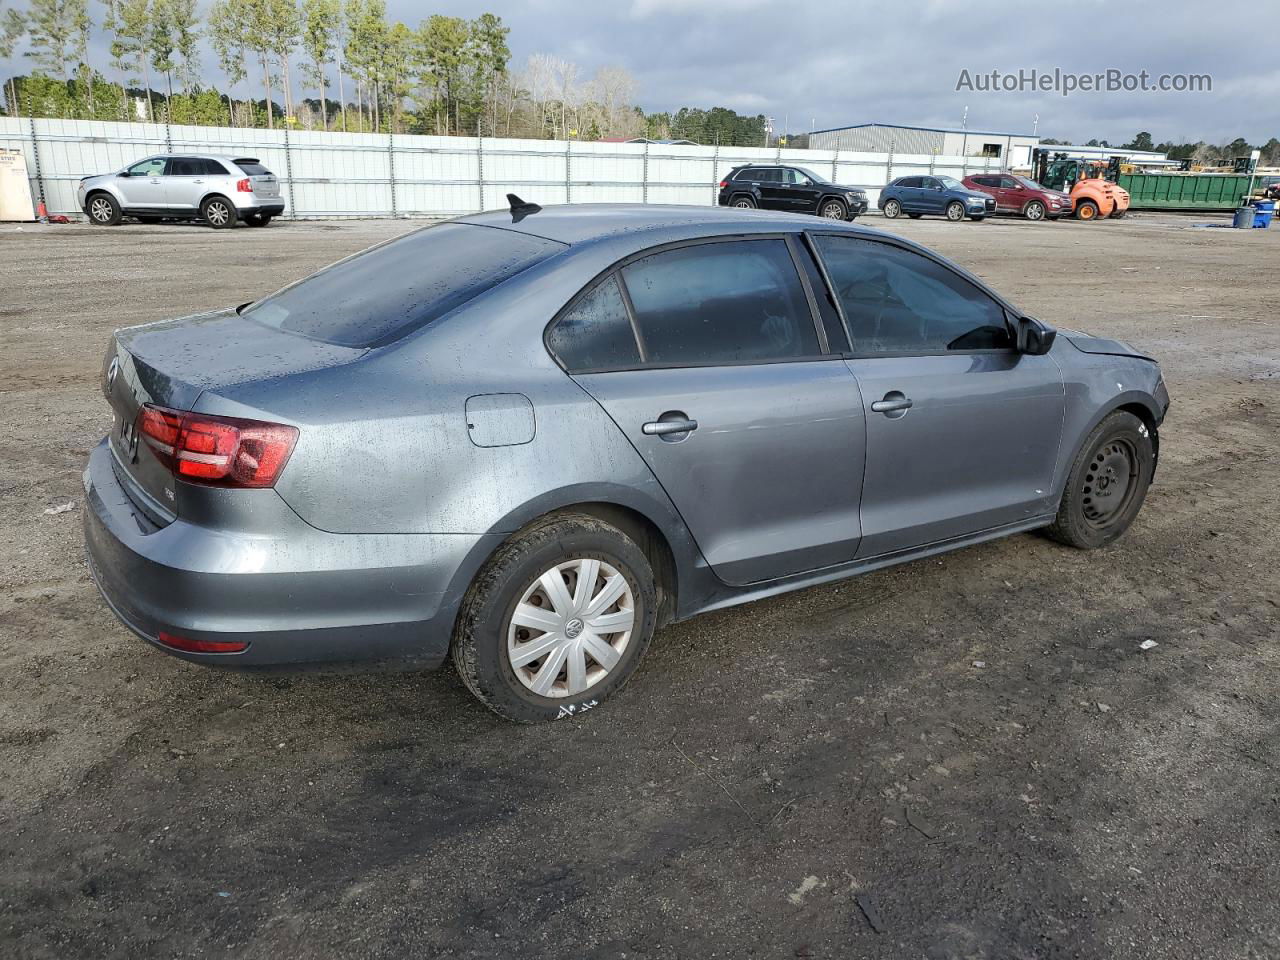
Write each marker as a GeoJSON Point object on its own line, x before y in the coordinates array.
{"type": "Point", "coordinates": [328, 175]}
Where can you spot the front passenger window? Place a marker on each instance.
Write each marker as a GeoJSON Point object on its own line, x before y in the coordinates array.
{"type": "Point", "coordinates": [148, 168]}
{"type": "Point", "coordinates": [900, 302]}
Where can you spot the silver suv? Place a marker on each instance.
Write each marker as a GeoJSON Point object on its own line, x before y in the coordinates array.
{"type": "Point", "coordinates": [212, 187]}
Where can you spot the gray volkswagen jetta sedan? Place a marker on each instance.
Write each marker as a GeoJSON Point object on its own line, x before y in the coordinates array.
{"type": "Point", "coordinates": [529, 438]}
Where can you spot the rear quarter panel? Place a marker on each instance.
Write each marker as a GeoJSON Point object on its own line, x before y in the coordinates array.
{"type": "Point", "coordinates": [384, 444]}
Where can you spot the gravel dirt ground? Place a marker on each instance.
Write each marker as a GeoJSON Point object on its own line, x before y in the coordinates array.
{"type": "Point", "coordinates": [966, 757]}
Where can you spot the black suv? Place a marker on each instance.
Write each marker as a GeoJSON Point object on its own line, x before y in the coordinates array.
{"type": "Point", "coordinates": [793, 189]}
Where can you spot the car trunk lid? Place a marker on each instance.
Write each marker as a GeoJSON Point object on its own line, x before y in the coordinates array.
{"type": "Point", "coordinates": [170, 364]}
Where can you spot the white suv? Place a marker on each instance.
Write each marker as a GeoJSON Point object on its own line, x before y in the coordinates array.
{"type": "Point", "coordinates": [217, 189]}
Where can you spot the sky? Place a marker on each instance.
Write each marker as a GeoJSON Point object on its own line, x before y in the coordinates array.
{"type": "Point", "coordinates": [839, 63]}
{"type": "Point", "coordinates": [815, 65]}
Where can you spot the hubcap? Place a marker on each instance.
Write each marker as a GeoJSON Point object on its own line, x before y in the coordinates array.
{"type": "Point", "coordinates": [1035, 212]}
{"type": "Point", "coordinates": [570, 628]}
{"type": "Point", "coordinates": [1109, 482]}
{"type": "Point", "coordinates": [217, 213]}
{"type": "Point", "coordinates": [955, 212]}
{"type": "Point", "coordinates": [101, 210]}
{"type": "Point", "coordinates": [891, 208]}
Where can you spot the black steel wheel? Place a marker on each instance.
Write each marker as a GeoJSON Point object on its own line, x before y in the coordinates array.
{"type": "Point", "coordinates": [1107, 483]}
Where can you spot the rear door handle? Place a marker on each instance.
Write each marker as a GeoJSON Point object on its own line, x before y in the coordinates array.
{"type": "Point", "coordinates": [668, 426]}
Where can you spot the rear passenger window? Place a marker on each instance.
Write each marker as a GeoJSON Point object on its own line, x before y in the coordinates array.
{"type": "Point", "coordinates": [711, 303]}
{"type": "Point", "coordinates": [212, 168]}
{"type": "Point", "coordinates": [899, 302]}
{"type": "Point", "coordinates": [596, 332]}
{"type": "Point", "coordinates": [909, 182]}
{"type": "Point", "coordinates": [183, 167]}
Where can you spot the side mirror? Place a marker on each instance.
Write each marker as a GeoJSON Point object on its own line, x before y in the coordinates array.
{"type": "Point", "coordinates": [124, 173]}
{"type": "Point", "coordinates": [1035, 338]}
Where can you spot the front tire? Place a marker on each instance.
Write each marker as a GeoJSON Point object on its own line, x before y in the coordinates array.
{"type": "Point", "coordinates": [557, 620]}
{"type": "Point", "coordinates": [955, 211]}
{"type": "Point", "coordinates": [833, 210]}
{"type": "Point", "coordinates": [1107, 484]}
{"type": "Point", "coordinates": [1086, 210]}
{"type": "Point", "coordinates": [1034, 210]}
{"type": "Point", "coordinates": [104, 211]}
{"type": "Point", "coordinates": [218, 213]}
{"type": "Point", "coordinates": [892, 209]}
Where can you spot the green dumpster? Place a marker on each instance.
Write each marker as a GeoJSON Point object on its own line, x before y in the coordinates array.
{"type": "Point", "coordinates": [1184, 191]}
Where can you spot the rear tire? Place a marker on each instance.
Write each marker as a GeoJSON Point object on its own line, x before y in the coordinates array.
{"type": "Point", "coordinates": [743, 203]}
{"type": "Point", "coordinates": [979, 218]}
{"type": "Point", "coordinates": [495, 643]}
{"type": "Point", "coordinates": [893, 209]}
{"type": "Point", "coordinates": [103, 210]}
{"type": "Point", "coordinates": [218, 212]}
{"type": "Point", "coordinates": [1118, 214]}
{"type": "Point", "coordinates": [915, 216]}
{"type": "Point", "coordinates": [1107, 484]}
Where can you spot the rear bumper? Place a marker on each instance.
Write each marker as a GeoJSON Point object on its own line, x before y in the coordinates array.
{"type": "Point", "coordinates": [270, 209]}
{"type": "Point", "coordinates": [296, 595]}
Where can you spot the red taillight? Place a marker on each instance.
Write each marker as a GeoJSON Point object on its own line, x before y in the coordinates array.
{"type": "Point", "coordinates": [219, 451]}
{"type": "Point", "coordinates": [188, 645]}
{"type": "Point", "coordinates": [724, 184]}
{"type": "Point", "coordinates": [244, 186]}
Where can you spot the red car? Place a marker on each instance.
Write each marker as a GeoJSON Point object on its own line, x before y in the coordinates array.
{"type": "Point", "coordinates": [1021, 196]}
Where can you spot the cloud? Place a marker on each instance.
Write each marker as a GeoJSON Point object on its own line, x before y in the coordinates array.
{"type": "Point", "coordinates": [838, 63]}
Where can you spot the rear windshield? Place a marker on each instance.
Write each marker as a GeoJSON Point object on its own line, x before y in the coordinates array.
{"type": "Point", "coordinates": [391, 289]}
{"type": "Point", "coordinates": [253, 168]}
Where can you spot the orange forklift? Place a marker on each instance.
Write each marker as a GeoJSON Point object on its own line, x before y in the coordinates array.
{"type": "Point", "coordinates": [1092, 184]}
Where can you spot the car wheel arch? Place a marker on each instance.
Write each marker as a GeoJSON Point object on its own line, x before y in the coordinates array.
{"type": "Point", "coordinates": [217, 195]}
{"type": "Point", "coordinates": [656, 529]}
{"type": "Point", "coordinates": [1140, 404]}
{"type": "Point", "coordinates": [832, 196]}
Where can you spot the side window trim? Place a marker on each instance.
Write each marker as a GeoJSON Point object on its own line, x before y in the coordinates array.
{"type": "Point", "coordinates": [819, 327]}
{"type": "Point", "coordinates": [1005, 310]}
{"type": "Point", "coordinates": [616, 273]}
{"type": "Point", "coordinates": [831, 287]}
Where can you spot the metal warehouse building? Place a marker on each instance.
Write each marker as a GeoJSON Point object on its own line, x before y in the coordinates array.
{"type": "Point", "coordinates": [1010, 149]}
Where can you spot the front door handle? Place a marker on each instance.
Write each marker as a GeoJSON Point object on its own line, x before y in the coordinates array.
{"type": "Point", "coordinates": [894, 404]}
{"type": "Point", "coordinates": [668, 425]}
{"type": "Point", "coordinates": [197, 181]}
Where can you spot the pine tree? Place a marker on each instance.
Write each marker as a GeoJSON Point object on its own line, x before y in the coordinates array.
{"type": "Point", "coordinates": [13, 26]}
{"type": "Point", "coordinates": [320, 25]}
{"type": "Point", "coordinates": [56, 33]}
